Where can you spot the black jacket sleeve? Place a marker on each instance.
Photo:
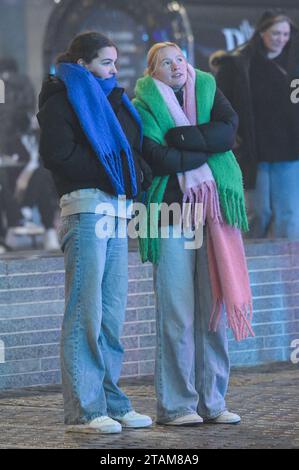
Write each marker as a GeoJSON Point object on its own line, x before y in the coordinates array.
{"type": "Point", "coordinates": [59, 148]}
{"type": "Point", "coordinates": [146, 172]}
{"type": "Point", "coordinates": [225, 78]}
{"type": "Point", "coordinates": [216, 136]}
{"type": "Point", "coordinates": [165, 160]}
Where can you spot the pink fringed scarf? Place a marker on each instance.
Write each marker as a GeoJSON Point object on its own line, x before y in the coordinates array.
{"type": "Point", "coordinates": [227, 263]}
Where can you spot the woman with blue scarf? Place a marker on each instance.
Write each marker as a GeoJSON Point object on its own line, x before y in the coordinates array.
{"type": "Point", "coordinates": [90, 141]}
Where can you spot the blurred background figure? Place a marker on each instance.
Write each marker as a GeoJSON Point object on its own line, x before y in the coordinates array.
{"type": "Point", "coordinates": [256, 79]}
{"type": "Point", "coordinates": [9, 211]}
{"type": "Point", "coordinates": [24, 184]}
{"type": "Point", "coordinates": [19, 95]}
{"type": "Point", "coordinates": [32, 185]}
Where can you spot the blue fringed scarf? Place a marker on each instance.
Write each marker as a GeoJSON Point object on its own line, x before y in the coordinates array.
{"type": "Point", "coordinates": [88, 97]}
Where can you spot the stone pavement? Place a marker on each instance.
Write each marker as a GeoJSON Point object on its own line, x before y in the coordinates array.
{"type": "Point", "coordinates": [267, 398]}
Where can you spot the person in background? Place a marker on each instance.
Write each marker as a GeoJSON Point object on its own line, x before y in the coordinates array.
{"type": "Point", "coordinates": [256, 79]}
{"type": "Point", "coordinates": [9, 210]}
{"type": "Point", "coordinates": [32, 185]}
{"type": "Point", "coordinates": [19, 97]}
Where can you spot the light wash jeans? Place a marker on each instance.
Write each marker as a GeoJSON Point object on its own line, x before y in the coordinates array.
{"type": "Point", "coordinates": [192, 364]}
{"type": "Point", "coordinates": [96, 283]}
{"type": "Point", "coordinates": [273, 208]}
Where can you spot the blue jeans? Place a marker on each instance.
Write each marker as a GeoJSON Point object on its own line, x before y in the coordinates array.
{"type": "Point", "coordinates": [192, 364]}
{"type": "Point", "coordinates": [273, 208]}
{"type": "Point", "coordinates": [96, 280]}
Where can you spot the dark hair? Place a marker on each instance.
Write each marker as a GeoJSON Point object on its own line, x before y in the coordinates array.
{"type": "Point", "coordinates": [266, 21]}
{"type": "Point", "coordinates": [271, 17]}
{"type": "Point", "coordinates": [85, 46]}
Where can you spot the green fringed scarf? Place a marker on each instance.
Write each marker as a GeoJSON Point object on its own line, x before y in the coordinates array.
{"type": "Point", "coordinates": [156, 121]}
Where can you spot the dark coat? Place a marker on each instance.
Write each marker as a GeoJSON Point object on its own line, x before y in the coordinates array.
{"type": "Point", "coordinates": [64, 147]}
{"type": "Point", "coordinates": [235, 80]}
{"type": "Point", "coordinates": [189, 147]}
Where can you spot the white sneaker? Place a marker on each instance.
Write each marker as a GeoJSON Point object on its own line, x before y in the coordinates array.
{"type": "Point", "coordinates": [51, 240]}
{"type": "Point", "coordinates": [105, 424]}
{"type": "Point", "coordinates": [192, 419]}
{"type": "Point", "coordinates": [134, 420]}
{"type": "Point", "coordinates": [226, 417]}
{"type": "Point", "coordinates": [102, 424]}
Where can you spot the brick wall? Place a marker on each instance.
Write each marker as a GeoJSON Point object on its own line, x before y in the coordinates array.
{"type": "Point", "coordinates": [274, 277]}
{"type": "Point", "coordinates": [32, 300]}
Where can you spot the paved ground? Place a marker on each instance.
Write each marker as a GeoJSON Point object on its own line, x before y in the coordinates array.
{"type": "Point", "coordinates": [266, 397]}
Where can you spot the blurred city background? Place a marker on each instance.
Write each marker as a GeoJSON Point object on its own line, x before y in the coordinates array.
{"type": "Point", "coordinates": [33, 32]}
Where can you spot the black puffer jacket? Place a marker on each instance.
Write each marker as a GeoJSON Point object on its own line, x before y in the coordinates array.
{"type": "Point", "coordinates": [189, 147]}
{"type": "Point", "coordinates": [65, 150]}
{"type": "Point", "coordinates": [259, 90]}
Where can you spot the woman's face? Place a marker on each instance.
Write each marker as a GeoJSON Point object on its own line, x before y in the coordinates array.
{"type": "Point", "coordinates": [276, 37]}
{"type": "Point", "coordinates": [104, 66]}
{"type": "Point", "coordinates": [171, 68]}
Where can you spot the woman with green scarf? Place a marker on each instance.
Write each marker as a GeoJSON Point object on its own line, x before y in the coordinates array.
{"type": "Point", "coordinates": [189, 129]}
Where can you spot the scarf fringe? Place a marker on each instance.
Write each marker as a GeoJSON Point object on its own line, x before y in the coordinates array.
{"type": "Point", "coordinates": [239, 319]}
{"type": "Point", "coordinates": [233, 208]}
{"type": "Point", "coordinates": [195, 204]}
{"type": "Point", "coordinates": [225, 202]}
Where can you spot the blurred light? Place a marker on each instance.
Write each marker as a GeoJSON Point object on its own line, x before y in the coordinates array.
{"type": "Point", "coordinates": [57, 1]}
{"type": "Point", "coordinates": [184, 51]}
{"type": "Point", "coordinates": [52, 69]}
